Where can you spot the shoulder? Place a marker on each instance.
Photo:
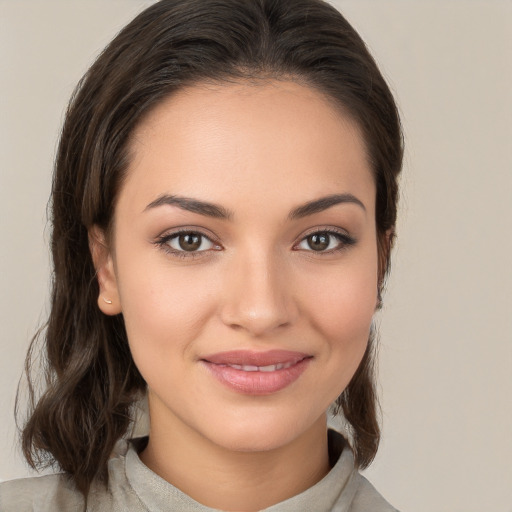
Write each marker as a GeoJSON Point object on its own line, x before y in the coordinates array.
{"type": "Point", "coordinates": [357, 494]}
{"type": "Point", "coordinates": [366, 497]}
{"type": "Point", "coordinates": [57, 492]}
{"type": "Point", "coordinates": [43, 493]}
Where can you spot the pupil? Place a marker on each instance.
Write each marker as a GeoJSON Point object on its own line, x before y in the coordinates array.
{"type": "Point", "coordinates": [319, 241]}
{"type": "Point", "coordinates": [190, 242]}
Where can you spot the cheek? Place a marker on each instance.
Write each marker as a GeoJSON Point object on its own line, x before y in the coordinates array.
{"type": "Point", "coordinates": [164, 310]}
{"type": "Point", "coordinates": [345, 304]}
{"type": "Point", "coordinates": [342, 312]}
{"type": "Point", "coordinates": [347, 311]}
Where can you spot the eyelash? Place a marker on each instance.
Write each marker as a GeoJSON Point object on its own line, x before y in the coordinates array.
{"type": "Point", "coordinates": [345, 241]}
{"type": "Point", "coordinates": [163, 243]}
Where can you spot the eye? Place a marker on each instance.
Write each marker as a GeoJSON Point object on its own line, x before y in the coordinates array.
{"type": "Point", "coordinates": [184, 242]}
{"type": "Point", "coordinates": [325, 241]}
{"type": "Point", "coordinates": [190, 242]}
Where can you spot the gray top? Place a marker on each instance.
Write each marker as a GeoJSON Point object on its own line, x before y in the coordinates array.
{"type": "Point", "coordinates": [134, 487]}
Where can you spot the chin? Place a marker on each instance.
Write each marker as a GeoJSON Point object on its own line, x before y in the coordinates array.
{"type": "Point", "coordinates": [261, 434]}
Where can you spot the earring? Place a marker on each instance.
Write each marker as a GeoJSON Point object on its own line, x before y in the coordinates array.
{"type": "Point", "coordinates": [107, 301]}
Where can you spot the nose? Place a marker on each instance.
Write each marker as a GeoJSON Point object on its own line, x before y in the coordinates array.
{"type": "Point", "coordinates": [258, 297]}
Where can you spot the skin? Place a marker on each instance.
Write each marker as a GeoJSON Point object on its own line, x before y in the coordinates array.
{"type": "Point", "coordinates": [258, 151]}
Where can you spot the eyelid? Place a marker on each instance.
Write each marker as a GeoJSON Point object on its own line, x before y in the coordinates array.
{"type": "Point", "coordinates": [169, 233]}
{"type": "Point", "coordinates": [162, 241]}
{"type": "Point", "coordinates": [345, 239]}
{"type": "Point", "coordinates": [324, 229]}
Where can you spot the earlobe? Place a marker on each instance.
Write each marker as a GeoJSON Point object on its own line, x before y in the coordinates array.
{"type": "Point", "coordinates": [108, 299]}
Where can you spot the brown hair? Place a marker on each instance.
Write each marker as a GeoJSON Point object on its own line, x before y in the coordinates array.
{"type": "Point", "coordinates": [91, 379]}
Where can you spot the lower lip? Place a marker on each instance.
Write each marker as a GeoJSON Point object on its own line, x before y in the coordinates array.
{"type": "Point", "coordinates": [257, 383]}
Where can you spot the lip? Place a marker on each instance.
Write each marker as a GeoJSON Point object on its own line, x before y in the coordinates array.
{"type": "Point", "coordinates": [251, 372]}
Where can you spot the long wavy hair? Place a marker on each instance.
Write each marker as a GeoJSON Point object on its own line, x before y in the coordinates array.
{"type": "Point", "coordinates": [91, 381]}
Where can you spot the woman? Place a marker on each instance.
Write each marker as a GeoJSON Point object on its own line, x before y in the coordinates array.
{"type": "Point", "coordinates": [223, 211]}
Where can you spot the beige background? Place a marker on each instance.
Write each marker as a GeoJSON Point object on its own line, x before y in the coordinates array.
{"type": "Point", "coordinates": [446, 328]}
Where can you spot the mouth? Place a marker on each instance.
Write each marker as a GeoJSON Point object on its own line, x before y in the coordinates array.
{"type": "Point", "coordinates": [257, 373]}
{"type": "Point", "coordinates": [267, 368]}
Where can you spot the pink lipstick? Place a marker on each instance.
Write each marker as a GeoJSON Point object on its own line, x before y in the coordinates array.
{"type": "Point", "coordinates": [257, 373]}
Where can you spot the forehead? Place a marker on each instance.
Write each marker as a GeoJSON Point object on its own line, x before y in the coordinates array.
{"type": "Point", "coordinates": [279, 140]}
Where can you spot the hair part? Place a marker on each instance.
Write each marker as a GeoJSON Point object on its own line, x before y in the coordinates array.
{"type": "Point", "coordinates": [91, 379]}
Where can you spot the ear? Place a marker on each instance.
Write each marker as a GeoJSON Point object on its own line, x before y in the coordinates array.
{"type": "Point", "coordinates": [385, 244]}
{"type": "Point", "coordinates": [108, 299]}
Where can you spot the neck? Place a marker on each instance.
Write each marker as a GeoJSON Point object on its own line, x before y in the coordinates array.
{"type": "Point", "coordinates": [232, 480]}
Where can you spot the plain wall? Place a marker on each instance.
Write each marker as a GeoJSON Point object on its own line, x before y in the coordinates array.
{"type": "Point", "coordinates": [446, 326]}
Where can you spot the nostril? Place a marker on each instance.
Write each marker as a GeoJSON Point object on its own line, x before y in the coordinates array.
{"type": "Point", "coordinates": [236, 327]}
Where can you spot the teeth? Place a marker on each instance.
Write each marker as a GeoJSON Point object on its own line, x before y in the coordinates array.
{"type": "Point", "coordinates": [268, 368]}
{"type": "Point", "coordinates": [249, 368]}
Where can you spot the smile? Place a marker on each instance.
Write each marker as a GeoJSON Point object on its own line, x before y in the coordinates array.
{"type": "Point", "coordinates": [268, 368]}
{"type": "Point", "coordinates": [257, 373]}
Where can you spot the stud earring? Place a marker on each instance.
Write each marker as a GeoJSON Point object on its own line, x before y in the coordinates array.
{"type": "Point", "coordinates": [107, 301]}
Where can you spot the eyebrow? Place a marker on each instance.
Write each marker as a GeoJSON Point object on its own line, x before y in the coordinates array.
{"type": "Point", "coordinates": [319, 205]}
{"type": "Point", "coordinates": [219, 212]}
{"type": "Point", "coordinates": [192, 205]}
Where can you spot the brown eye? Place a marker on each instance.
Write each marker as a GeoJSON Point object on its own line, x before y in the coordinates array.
{"type": "Point", "coordinates": [326, 242]}
{"type": "Point", "coordinates": [319, 241]}
{"type": "Point", "coordinates": [189, 241]}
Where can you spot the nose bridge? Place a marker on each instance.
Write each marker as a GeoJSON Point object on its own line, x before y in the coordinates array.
{"type": "Point", "coordinates": [257, 299]}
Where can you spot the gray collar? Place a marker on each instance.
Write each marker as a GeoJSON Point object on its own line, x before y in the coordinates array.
{"type": "Point", "coordinates": [159, 495]}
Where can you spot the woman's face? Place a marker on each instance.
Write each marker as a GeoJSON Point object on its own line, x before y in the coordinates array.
{"type": "Point", "coordinates": [244, 260]}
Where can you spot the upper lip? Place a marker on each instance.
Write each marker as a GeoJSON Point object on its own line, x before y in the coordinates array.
{"type": "Point", "coordinates": [254, 358]}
